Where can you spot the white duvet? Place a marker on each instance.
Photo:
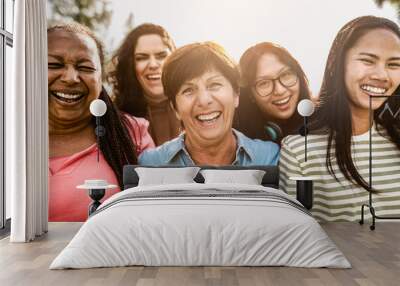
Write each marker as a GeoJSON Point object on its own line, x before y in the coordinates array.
{"type": "Point", "coordinates": [200, 224]}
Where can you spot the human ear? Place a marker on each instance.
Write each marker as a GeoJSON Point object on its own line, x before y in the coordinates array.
{"type": "Point", "coordinates": [176, 112]}
{"type": "Point", "coordinates": [236, 99]}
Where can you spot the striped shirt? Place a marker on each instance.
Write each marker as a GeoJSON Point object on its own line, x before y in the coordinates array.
{"type": "Point", "coordinates": [341, 200]}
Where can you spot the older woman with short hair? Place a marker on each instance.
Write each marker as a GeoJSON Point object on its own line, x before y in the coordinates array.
{"type": "Point", "coordinates": [202, 84]}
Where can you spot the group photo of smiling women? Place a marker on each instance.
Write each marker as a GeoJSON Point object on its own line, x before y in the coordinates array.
{"type": "Point", "coordinates": [194, 105]}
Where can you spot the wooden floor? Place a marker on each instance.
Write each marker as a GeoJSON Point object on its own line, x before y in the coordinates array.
{"type": "Point", "coordinates": [374, 255]}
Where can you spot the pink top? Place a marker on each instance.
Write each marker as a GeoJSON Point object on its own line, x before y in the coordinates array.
{"type": "Point", "coordinates": [66, 202]}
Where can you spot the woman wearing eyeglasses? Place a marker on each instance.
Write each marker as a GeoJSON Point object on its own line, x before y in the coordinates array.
{"type": "Point", "coordinates": [273, 83]}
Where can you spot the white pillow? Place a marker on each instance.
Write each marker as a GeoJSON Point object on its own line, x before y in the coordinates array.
{"type": "Point", "coordinates": [162, 176]}
{"type": "Point", "coordinates": [248, 177]}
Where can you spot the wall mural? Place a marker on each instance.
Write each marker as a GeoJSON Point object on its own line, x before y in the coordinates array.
{"type": "Point", "coordinates": [194, 103]}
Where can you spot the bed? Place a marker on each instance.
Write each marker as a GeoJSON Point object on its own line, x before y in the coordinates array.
{"type": "Point", "coordinates": [201, 223]}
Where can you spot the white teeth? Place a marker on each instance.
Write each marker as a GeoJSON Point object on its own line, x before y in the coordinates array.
{"type": "Point", "coordinates": [68, 96]}
{"type": "Point", "coordinates": [373, 89]}
{"type": "Point", "coordinates": [283, 101]}
{"type": "Point", "coordinates": [154, 77]}
{"type": "Point", "coordinates": [210, 116]}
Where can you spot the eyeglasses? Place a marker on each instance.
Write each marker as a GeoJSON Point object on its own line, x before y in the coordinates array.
{"type": "Point", "coordinates": [265, 87]}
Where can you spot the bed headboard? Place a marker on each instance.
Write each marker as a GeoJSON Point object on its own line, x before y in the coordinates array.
{"type": "Point", "coordinates": [270, 179]}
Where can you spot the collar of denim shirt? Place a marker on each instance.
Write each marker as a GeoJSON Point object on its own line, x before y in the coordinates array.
{"type": "Point", "coordinates": [177, 148]}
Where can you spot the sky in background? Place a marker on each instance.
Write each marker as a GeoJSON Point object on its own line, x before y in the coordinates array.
{"type": "Point", "coordinates": [305, 27]}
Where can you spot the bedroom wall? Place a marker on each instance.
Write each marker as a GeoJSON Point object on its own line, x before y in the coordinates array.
{"type": "Point", "coordinates": [305, 28]}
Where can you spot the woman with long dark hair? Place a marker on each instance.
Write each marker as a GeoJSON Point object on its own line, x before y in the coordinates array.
{"type": "Point", "coordinates": [75, 65]}
{"type": "Point", "coordinates": [273, 83]}
{"type": "Point", "coordinates": [136, 79]}
{"type": "Point", "coordinates": [363, 63]}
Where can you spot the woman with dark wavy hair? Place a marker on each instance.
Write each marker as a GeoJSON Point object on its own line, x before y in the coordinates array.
{"type": "Point", "coordinates": [75, 65]}
{"type": "Point", "coordinates": [273, 84]}
{"type": "Point", "coordinates": [136, 79]}
{"type": "Point", "coordinates": [363, 63]}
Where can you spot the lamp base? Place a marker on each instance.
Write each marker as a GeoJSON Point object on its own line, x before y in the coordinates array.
{"type": "Point", "coordinates": [304, 193]}
{"type": "Point", "coordinates": [304, 190]}
{"type": "Point", "coordinates": [374, 216]}
{"type": "Point", "coordinates": [96, 195]}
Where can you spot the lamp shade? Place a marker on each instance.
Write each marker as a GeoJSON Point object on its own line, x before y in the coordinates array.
{"type": "Point", "coordinates": [305, 107]}
{"type": "Point", "coordinates": [98, 107]}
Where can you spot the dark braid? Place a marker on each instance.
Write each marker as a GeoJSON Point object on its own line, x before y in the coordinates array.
{"type": "Point", "coordinates": [117, 146]}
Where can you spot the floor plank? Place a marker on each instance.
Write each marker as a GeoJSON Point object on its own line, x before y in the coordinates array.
{"type": "Point", "coordinates": [374, 255]}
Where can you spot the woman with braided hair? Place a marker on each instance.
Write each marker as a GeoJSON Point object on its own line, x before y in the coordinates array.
{"type": "Point", "coordinates": [75, 60]}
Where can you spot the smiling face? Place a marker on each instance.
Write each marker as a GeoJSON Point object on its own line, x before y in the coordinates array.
{"type": "Point", "coordinates": [206, 106]}
{"type": "Point", "coordinates": [150, 54]}
{"type": "Point", "coordinates": [282, 101]}
{"type": "Point", "coordinates": [74, 76]}
{"type": "Point", "coordinates": [372, 67]}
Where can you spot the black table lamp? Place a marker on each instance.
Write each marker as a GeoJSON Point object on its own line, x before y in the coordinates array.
{"type": "Point", "coordinates": [305, 108]}
{"type": "Point", "coordinates": [304, 185]}
{"type": "Point", "coordinates": [97, 187]}
{"type": "Point", "coordinates": [98, 108]}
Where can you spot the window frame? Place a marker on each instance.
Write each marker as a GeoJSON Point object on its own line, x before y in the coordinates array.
{"type": "Point", "coordinates": [6, 39]}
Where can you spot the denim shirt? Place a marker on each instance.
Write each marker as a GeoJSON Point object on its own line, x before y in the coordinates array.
{"type": "Point", "coordinates": [248, 152]}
